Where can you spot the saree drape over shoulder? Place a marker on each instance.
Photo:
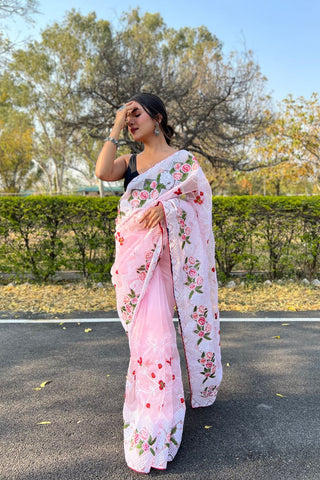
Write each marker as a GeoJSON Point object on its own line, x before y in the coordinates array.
{"type": "Point", "coordinates": [169, 265]}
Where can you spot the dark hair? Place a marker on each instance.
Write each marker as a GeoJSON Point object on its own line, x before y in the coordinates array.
{"type": "Point", "coordinates": [153, 105]}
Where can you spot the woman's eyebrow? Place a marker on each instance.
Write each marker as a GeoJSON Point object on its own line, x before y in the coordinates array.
{"type": "Point", "coordinates": [135, 110]}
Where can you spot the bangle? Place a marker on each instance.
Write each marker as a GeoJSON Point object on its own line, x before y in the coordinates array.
{"type": "Point", "coordinates": [112, 140]}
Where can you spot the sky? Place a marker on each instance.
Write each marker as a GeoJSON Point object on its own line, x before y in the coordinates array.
{"type": "Point", "coordinates": [283, 34]}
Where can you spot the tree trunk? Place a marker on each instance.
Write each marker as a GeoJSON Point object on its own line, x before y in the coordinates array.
{"type": "Point", "coordinates": [101, 188]}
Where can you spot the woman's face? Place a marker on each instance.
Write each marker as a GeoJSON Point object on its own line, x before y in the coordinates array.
{"type": "Point", "coordinates": [140, 124]}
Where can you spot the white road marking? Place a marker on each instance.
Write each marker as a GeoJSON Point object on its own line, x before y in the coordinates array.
{"type": "Point", "coordinates": [116, 319]}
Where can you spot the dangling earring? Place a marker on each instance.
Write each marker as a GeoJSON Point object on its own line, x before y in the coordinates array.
{"type": "Point", "coordinates": [156, 130]}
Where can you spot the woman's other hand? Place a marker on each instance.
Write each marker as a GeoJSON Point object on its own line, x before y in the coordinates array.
{"type": "Point", "coordinates": [152, 217]}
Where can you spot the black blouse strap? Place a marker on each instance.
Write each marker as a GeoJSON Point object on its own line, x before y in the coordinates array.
{"type": "Point", "coordinates": [131, 171]}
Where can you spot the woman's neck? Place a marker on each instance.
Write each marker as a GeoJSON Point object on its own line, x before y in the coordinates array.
{"type": "Point", "coordinates": [155, 146]}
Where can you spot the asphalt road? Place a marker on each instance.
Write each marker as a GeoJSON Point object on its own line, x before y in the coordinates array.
{"type": "Point", "coordinates": [254, 433]}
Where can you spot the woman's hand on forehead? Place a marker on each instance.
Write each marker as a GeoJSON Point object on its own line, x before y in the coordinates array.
{"type": "Point", "coordinates": [133, 107]}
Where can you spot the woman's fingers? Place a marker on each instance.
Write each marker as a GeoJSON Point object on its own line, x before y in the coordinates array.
{"type": "Point", "coordinates": [122, 113]}
{"type": "Point", "coordinates": [152, 217]}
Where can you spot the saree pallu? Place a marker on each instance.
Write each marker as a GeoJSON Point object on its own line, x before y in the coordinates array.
{"type": "Point", "coordinates": [154, 271]}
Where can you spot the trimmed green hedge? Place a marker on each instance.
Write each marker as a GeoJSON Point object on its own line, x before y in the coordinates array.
{"type": "Point", "coordinates": [277, 235]}
{"type": "Point", "coordinates": [43, 235]}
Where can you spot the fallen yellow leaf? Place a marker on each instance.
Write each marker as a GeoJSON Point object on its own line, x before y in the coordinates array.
{"type": "Point", "coordinates": [279, 395]}
{"type": "Point", "coordinates": [284, 324]}
{"type": "Point", "coordinates": [64, 328]}
{"type": "Point", "coordinates": [208, 426]}
{"type": "Point", "coordinates": [61, 323]}
{"type": "Point", "coordinates": [228, 364]}
{"type": "Point", "coordinates": [38, 388]}
{"type": "Point", "coordinates": [43, 423]}
{"type": "Point", "coordinates": [43, 384]}
{"type": "Point", "coordinates": [107, 376]}
{"type": "Point", "coordinates": [292, 309]}
{"type": "Point", "coordinates": [276, 336]}
{"type": "Point", "coordinates": [88, 330]}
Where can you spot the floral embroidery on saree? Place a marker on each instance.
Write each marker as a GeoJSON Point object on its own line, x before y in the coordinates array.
{"type": "Point", "coordinates": [153, 270]}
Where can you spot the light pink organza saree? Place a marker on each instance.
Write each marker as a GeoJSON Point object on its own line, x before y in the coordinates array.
{"type": "Point", "coordinates": [155, 270]}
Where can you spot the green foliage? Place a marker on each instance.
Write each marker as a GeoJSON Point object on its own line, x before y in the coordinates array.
{"type": "Point", "coordinates": [42, 235]}
{"type": "Point", "coordinates": [276, 236]}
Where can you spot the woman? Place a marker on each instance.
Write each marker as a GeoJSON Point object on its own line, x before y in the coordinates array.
{"type": "Point", "coordinates": [164, 258]}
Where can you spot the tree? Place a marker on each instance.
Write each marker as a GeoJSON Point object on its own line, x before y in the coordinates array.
{"type": "Point", "coordinates": [9, 8]}
{"type": "Point", "coordinates": [16, 150]}
{"type": "Point", "coordinates": [23, 8]}
{"type": "Point", "coordinates": [47, 76]}
{"type": "Point", "coordinates": [289, 148]}
{"type": "Point", "coordinates": [215, 104]}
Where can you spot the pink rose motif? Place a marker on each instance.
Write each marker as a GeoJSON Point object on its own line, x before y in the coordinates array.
{"type": "Point", "coordinates": [203, 361]}
{"type": "Point", "coordinates": [209, 355]}
{"type": "Point", "coordinates": [135, 193]}
{"type": "Point", "coordinates": [144, 195]}
{"type": "Point", "coordinates": [202, 309]}
{"type": "Point", "coordinates": [182, 223]}
{"type": "Point", "coordinates": [202, 321]}
{"type": "Point", "coordinates": [208, 328]}
{"type": "Point", "coordinates": [192, 260]}
{"type": "Point", "coordinates": [209, 364]}
{"type": "Point", "coordinates": [134, 301]}
{"type": "Point", "coordinates": [148, 265]}
{"type": "Point", "coordinates": [135, 202]}
{"type": "Point", "coordinates": [168, 437]}
{"type": "Point", "coordinates": [183, 237]}
{"type": "Point", "coordinates": [192, 286]}
{"type": "Point", "coordinates": [177, 175]}
{"type": "Point", "coordinates": [145, 447]}
{"type": "Point", "coordinates": [195, 316]}
{"type": "Point", "coordinates": [186, 168]}
{"type": "Point", "coordinates": [149, 255]}
{"type": "Point", "coordinates": [142, 276]}
{"type": "Point", "coordinates": [154, 194]}
{"type": "Point", "coordinates": [199, 281]}
{"type": "Point", "coordinates": [187, 230]}
{"type": "Point", "coordinates": [207, 374]}
{"type": "Point", "coordinates": [128, 308]}
{"type": "Point", "coordinates": [177, 166]}
{"type": "Point", "coordinates": [201, 333]}
{"type": "Point", "coordinates": [185, 267]}
{"type": "Point", "coordinates": [195, 165]}
{"type": "Point", "coordinates": [192, 272]}
{"type": "Point", "coordinates": [153, 184]}
{"type": "Point", "coordinates": [136, 439]}
{"type": "Point", "coordinates": [126, 299]}
{"type": "Point", "coordinates": [144, 434]}
{"type": "Point", "coordinates": [213, 369]}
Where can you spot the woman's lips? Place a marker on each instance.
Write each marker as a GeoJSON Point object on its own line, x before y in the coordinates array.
{"type": "Point", "coordinates": [133, 130]}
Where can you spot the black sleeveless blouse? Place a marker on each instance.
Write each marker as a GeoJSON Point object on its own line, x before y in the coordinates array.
{"type": "Point", "coordinates": [131, 172]}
